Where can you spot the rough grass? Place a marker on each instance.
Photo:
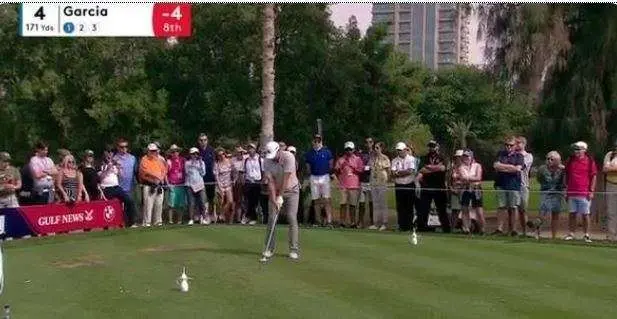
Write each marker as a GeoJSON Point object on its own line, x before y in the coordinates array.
{"type": "Point", "coordinates": [342, 274]}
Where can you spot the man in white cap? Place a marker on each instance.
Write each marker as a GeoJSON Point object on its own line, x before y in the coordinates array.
{"type": "Point", "coordinates": [283, 193]}
{"type": "Point", "coordinates": [348, 169]}
{"type": "Point", "coordinates": [581, 174]}
{"type": "Point", "coordinates": [404, 170]}
{"type": "Point", "coordinates": [153, 174]}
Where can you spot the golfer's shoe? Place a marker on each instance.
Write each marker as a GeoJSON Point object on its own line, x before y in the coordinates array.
{"type": "Point", "coordinates": [294, 255]}
{"type": "Point", "coordinates": [587, 239]}
{"type": "Point", "coordinates": [373, 227]}
{"type": "Point", "coordinates": [569, 237]}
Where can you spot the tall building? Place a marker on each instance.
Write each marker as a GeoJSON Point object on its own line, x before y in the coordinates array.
{"type": "Point", "coordinates": [435, 34]}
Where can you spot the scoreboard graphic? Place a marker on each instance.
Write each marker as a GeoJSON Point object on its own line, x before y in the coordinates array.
{"type": "Point", "coordinates": [163, 20]}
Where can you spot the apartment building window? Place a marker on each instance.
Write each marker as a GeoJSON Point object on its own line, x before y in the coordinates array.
{"type": "Point", "coordinates": [404, 26]}
{"type": "Point", "coordinates": [405, 16]}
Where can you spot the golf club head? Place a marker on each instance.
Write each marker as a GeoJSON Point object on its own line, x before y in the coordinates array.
{"type": "Point", "coordinates": [264, 260]}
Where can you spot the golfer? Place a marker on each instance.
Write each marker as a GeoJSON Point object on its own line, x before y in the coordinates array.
{"type": "Point", "coordinates": [284, 195]}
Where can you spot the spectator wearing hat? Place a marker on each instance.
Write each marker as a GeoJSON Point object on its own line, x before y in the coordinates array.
{"type": "Point", "coordinates": [91, 176]}
{"type": "Point", "coordinates": [153, 175]}
{"type": "Point", "coordinates": [176, 179]}
{"type": "Point", "coordinates": [404, 170]}
{"type": "Point", "coordinates": [10, 182]}
{"type": "Point", "coordinates": [208, 155]}
{"type": "Point", "coordinates": [195, 169]}
{"type": "Point", "coordinates": [253, 178]}
{"type": "Point", "coordinates": [109, 177]}
{"type": "Point", "coordinates": [581, 173]}
{"type": "Point", "coordinates": [610, 169]}
{"type": "Point", "coordinates": [348, 169]}
{"type": "Point", "coordinates": [508, 167]}
{"type": "Point", "coordinates": [320, 162]}
{"type": "Point", "coordinates": [44, 173]}
{"type": "Point", "coordinates": [432, 177]}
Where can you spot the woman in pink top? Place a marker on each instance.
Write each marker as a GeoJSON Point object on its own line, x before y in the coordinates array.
{"type": "Point", "coordinates": [223, 170]}
{"type": "Point", "coordinates": [176, 180]}
{"type": "Point", "coordinates": [348, 169]}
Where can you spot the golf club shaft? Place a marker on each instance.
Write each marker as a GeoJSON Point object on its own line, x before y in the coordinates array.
{"type": "Point", "coordinates": [271, 230]}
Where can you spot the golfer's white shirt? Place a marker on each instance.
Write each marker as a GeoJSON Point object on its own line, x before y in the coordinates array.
{"type": "Point", "coordinates": [403, 164]}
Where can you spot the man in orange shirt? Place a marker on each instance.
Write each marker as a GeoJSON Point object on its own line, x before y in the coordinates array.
{"type": "Point", "coordinates": [153, 174]}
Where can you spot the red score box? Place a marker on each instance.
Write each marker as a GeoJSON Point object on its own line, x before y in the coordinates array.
{"type": "Point", "coordinates": [171, 20]}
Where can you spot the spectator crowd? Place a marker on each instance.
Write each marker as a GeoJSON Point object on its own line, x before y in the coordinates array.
{"type": "Point", "coordinates": [204, 185]}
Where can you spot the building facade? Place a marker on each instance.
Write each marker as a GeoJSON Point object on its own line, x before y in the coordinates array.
{"type": "Point", "coordinates": [435, 34]}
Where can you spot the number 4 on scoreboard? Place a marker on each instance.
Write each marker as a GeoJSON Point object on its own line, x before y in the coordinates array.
{"type": "Point", "coordinates": [40, 13]}
{"type": "Point", "coordinates": [177, 13]}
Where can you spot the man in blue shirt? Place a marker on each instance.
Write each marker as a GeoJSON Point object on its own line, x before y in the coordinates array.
{"type": "Point", "coordinates": [207, 155]}
{"type": "Point", "coordinates": [508, 167]}
{"type": "Point", "coordinates": [127, 163]}
{"type": "Point", "coordinates": [320, 162]}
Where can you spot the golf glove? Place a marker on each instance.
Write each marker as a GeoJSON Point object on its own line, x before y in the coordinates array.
{"type": "Point", "coordinates": [279, 202]}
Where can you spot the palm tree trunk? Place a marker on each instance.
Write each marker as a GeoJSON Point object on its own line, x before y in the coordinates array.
{"type": "Point", "coordinates": [268, 73]}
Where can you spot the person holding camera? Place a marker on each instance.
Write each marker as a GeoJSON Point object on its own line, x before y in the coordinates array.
{"type": "Point", "coordinates": [153, 175]}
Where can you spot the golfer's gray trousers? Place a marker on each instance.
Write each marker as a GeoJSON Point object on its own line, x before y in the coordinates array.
{"type": "Point", "coordinates": [289, 209]}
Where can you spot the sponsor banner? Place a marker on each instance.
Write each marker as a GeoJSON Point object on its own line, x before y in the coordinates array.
{"type": "Point", "coordinates": [56, 218]}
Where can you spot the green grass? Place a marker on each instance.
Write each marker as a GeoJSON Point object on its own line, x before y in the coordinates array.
{"type": "Point", "coordinates": [342, 274]}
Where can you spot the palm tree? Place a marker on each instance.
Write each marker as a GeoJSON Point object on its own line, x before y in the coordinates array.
{"type": "Point", "coordinates": [460, 131]}
{"type": "Point", "coordinates": [268, 74]}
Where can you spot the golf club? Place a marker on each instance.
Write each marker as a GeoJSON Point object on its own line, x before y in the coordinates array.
{"type": "Point", "coordinates": [264, 258]}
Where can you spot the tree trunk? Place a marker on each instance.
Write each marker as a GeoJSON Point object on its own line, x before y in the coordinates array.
{"type": "Point", "coordinates": [267, 78]}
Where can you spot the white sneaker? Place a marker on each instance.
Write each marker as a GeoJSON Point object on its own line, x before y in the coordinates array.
{"type": "Point", "coordinates": [268, 254]}
{"type": "Point", "coordinates": [147, 225]}
{"type": "Point", "coordinates": [587, 239]}
{"type": "Point", "coordinates": [382, 228]}
{"type": "Point", "coordinates": [191, 222]}
{"type": "Point", "coordinates": [134, 226]}
{"type": "Point", "coordinates": [569, 237]}
{"type": "Point", "coordinates": [294, 255]}
{"type": "Point", "coordinates": [244, 221]}
{"type": "Point", "coordinates": [373, 227]}
{"type": "Point", "coordinates": [253, 223]}
{"type": "Point", "coordinates": [207, 221]}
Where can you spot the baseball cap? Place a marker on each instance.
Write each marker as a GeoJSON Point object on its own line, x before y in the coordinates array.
{"type": "Point", "coordinates": [251, 145]}
{"type": "Point", "coordinates": [349, 144]}
{"type": "Point", "coordinates": [152, 147]}
{"type": "Point", "coordinates": [468, 153]}
{"type": "Point", "coordinates": [174, 147]}
{"type": "Point", "coordinates": [5, 157]}
{"type": "Point", "coordinates": [317, 137]}
{"type": "Point", "coordinates": [458, 153]}
{"type": "Point", "coordinates": [291, 149]}
{"type": "Point", "coordinates": [193, 150]}
{"type": "Point", "coordinates": [271, 149]}
{"type": "Point", "coordinates": [400, 146]}
{"type": "Point", "coordinates": [88, 153]}
{"type": "Point", "coordinates": [580, 146]}
{"type": "Point", "coordinates": [432, 143]}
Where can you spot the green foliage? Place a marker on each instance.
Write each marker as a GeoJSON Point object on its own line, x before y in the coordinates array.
{"type": "Point", "coordinates": [469, 96]}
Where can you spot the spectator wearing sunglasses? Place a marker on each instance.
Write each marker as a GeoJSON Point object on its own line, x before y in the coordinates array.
{"type": "Point", "coordinates": [509, 165]}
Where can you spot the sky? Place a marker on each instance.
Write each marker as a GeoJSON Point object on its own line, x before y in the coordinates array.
{"type": "Point", "coordinates": [342, 11]}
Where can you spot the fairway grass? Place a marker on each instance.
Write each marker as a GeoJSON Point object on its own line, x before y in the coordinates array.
{"type": "Point", "coordinates": [341, 274]}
